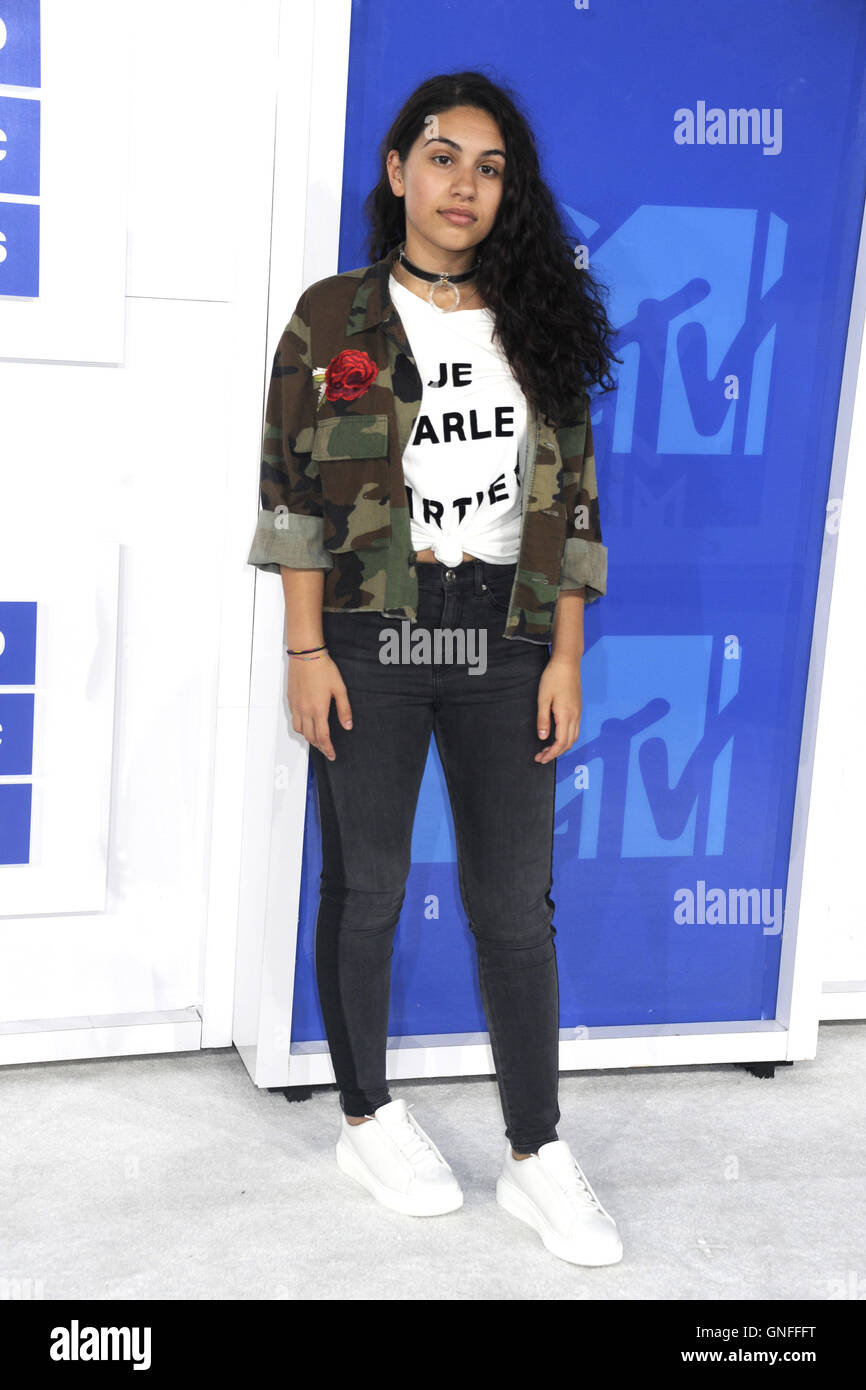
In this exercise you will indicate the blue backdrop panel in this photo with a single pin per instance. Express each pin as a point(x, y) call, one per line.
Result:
point(20, 51)
point(17, 667)
point(731, 268)
point(20, 124)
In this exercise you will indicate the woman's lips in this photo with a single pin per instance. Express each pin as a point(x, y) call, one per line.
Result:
point(460, 219)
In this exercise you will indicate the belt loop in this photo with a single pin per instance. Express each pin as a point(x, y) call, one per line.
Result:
point(477, 568)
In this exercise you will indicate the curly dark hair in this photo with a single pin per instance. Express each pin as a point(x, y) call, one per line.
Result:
point(549, 316)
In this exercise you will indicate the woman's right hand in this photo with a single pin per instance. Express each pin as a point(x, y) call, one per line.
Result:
point(312, 686)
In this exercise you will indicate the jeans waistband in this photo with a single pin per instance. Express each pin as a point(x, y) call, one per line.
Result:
point(466, 577)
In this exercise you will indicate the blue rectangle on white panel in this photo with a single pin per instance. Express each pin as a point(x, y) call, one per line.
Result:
point(16, 734)
point(20, 126)
point(19, 250)
point(20, 63)
point(729, 255)
point(16, 799)
point(17, 643)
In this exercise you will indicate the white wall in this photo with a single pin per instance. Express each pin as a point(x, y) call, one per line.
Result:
point(156, 450)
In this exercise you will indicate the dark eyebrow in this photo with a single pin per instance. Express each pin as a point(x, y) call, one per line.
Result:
point(443, 139)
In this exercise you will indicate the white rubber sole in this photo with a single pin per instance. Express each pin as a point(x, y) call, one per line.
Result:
point(518, 1204)
point(409, 1204)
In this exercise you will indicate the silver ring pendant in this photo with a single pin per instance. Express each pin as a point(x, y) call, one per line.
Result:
point(446, 283)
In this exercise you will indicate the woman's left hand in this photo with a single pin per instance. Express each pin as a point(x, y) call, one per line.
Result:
point(559, 696)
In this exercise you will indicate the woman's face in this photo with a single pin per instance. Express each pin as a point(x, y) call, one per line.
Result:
point(458, 161)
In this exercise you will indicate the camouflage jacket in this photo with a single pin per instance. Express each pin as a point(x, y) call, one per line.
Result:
point(332, 490)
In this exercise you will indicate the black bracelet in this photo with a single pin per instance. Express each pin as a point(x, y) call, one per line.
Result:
point(304, 650)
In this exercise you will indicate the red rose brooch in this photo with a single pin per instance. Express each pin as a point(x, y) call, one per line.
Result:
point(347, 376)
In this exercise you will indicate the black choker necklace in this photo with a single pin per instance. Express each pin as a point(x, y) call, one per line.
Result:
point(437, 278)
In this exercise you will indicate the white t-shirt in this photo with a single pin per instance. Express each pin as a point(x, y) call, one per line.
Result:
point(464, 463)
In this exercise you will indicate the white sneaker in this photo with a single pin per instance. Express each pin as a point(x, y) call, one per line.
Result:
point(398, 1163)
point(551, 1194)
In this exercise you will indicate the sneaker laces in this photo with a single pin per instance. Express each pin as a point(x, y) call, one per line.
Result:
point(412, 1142)
point(576, 1187)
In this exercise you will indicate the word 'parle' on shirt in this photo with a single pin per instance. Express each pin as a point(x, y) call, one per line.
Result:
point(464, 463)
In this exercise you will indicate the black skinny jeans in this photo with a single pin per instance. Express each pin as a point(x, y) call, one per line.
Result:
point(502, 802)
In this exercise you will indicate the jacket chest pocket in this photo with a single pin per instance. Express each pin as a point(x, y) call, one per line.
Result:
point(352, 455)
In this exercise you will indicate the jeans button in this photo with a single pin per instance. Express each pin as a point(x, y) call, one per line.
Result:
point(449, 574)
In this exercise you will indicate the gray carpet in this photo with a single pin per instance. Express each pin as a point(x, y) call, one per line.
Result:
point(173, 1177)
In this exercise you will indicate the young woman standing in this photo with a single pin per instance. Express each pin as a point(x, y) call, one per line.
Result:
point(476, 276)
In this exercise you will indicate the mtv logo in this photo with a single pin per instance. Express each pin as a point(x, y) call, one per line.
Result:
point(692, 300)
point(650, 774)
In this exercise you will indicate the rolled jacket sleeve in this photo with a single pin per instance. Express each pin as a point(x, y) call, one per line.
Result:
point(584, 560)
point(289, 528)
